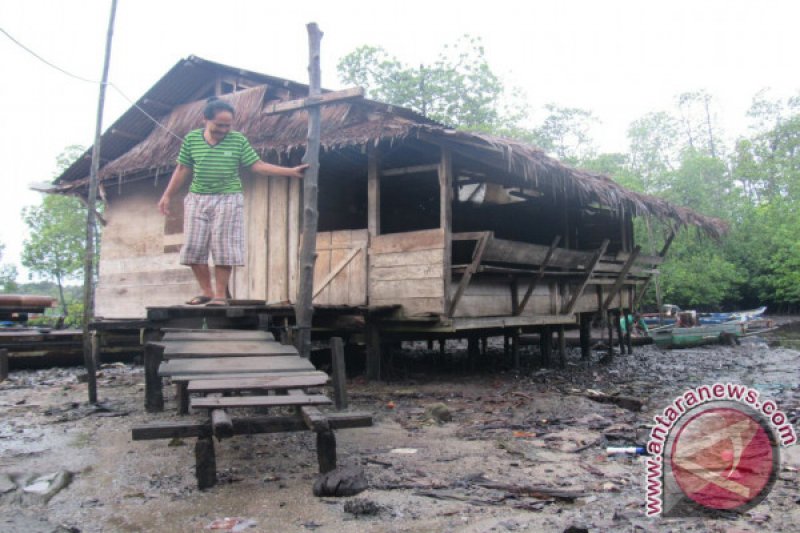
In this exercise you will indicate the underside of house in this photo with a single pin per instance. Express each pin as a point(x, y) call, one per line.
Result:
point(442, 231)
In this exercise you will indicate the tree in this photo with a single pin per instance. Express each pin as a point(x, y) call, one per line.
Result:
point(458, 88)
point(56, 245)
point(8, 274)
point(565, 132)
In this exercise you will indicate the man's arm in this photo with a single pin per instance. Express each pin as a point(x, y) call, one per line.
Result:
point(267, 169)
point(179, 177)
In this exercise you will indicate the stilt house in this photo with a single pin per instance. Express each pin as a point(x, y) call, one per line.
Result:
point(444, 231)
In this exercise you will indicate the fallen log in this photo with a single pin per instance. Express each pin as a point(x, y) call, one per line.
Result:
point(626, 402)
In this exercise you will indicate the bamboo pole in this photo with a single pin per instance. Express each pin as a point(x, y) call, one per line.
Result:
point(88, 262)
point(308, 255)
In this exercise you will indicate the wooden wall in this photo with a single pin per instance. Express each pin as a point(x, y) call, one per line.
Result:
point(408, 269)
point(341, 267)
point(272, 238)
point(135, 271)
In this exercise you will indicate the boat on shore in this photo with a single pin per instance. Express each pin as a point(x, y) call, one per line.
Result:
point(671, 314)
point(688, 337)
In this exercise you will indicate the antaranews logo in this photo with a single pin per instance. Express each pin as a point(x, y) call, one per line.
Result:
point(714, 448)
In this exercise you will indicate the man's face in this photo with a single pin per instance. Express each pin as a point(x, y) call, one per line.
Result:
point(219, 126)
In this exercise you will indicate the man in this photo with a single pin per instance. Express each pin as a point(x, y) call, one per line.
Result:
point(214, 208)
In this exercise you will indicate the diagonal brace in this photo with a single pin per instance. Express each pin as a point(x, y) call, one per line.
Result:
point(589, 272)
point(528, 293)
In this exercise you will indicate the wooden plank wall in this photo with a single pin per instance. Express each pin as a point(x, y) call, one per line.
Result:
point(408, 269)
point(135, 270)
point(491, 296)
point(349, 286)
point(271, 240)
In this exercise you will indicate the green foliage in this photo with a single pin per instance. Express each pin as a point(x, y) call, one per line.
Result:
point(458, 88)
point(8, 275)
point(565, 133)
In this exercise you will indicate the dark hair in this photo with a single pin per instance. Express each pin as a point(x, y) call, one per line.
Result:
point(214, 105)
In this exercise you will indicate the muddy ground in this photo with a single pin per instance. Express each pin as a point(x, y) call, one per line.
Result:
point(535, 427)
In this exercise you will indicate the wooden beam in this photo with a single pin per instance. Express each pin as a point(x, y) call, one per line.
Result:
point(339, 374)
point(304, 308)
point(160, 106)
point(153, 389)
point(205, 463)
point(127, 135)
point(446, 216)
point(221, 424)
point(417, 169)
point(528, 293)
point(335, 271)
point(614, 290)
point(589, 272)
point(315, 100)
point(477, 255)
point(373, 190)
point(661, 254)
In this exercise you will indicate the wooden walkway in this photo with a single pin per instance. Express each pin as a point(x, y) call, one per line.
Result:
point(218, 370)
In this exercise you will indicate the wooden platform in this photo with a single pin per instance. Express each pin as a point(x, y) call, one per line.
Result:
point(233, 363)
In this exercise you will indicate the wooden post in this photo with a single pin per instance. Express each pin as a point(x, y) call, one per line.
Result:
point(3, 364)
point(562, 347)
point(373, 191)
point(515, 348)
point(205, 463)
point(586, 335)
point(546, 345)
point(373, 346)
point(221, 424)
point(473, 350)
point(326, 451)
point(182, 396)
point(610, 325)
point(339, 374)
point(308, 254)
point(445, 216)
point(91, 200)
point(505, 344)
point(153, 392)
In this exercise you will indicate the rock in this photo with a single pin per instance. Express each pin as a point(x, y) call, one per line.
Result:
point(6, 484)
point(44, 487)
point(440, 413)
point(362, 507)
point(341, 482)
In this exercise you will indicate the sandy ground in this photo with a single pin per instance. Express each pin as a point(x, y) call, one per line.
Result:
point(529, 428)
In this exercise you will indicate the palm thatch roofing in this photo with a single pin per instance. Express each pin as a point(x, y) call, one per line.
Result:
point(136, 148)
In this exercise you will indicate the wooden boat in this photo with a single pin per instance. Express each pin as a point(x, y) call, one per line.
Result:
point(669, 315)
point(675, 337)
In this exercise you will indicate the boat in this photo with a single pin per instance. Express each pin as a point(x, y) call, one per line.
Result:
point(686, 337)
point(670, 314)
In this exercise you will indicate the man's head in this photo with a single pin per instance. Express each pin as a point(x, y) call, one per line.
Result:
point(218, 116)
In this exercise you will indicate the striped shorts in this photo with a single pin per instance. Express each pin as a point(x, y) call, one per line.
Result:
point(215, 222)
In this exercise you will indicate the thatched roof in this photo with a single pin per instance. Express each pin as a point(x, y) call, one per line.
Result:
point(351, 124)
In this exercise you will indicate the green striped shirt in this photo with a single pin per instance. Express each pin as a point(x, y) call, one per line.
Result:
point(216, 168)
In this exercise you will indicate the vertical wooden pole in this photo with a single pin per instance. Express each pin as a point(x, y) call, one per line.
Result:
point(205, 463)
point(446, 216)
point(586, 335)
point(308, 255)
point(3, 364)
point(373, 191)
point(374, 355)
point(562, 347)
point(91, 200)
point(339, 374)
point(326, 451)
point(546, 344)
point(628, 332)
point(610, 325)
point(515, 348)
point(153, 391)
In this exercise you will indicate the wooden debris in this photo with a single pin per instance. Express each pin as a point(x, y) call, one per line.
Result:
point(626, 402)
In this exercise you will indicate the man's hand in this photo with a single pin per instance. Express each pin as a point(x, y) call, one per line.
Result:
point(163, 205)
point(268, 169)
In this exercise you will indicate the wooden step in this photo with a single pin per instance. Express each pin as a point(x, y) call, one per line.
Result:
point(273, 382)
point(230, 402)
point(199, 348)
point(240, 365)
point(238, 375)
point(218, 335)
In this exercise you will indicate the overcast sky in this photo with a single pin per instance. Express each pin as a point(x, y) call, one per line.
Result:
point(620, 59)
